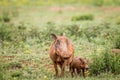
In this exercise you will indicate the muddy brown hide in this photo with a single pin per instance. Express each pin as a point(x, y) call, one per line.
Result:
point(61, 53)
point(77, 65)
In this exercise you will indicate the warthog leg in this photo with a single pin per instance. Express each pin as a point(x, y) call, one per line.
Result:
point(56, 69)
point(63, 68)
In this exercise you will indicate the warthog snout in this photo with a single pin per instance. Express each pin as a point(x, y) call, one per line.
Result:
point(86, 67)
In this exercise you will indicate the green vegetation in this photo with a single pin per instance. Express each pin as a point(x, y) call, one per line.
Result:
point(83, 17)
point(105, 62)
point(25, 30)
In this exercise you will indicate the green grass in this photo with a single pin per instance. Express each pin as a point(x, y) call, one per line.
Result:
point(25, 40)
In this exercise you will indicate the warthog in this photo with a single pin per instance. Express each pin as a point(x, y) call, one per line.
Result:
point(61, 53)
point(77, 65)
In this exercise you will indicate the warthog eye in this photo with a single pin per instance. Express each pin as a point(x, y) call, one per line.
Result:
point(58, 42)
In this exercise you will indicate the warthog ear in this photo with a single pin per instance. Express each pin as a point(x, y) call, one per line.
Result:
point(54, 36)
point(81, 60)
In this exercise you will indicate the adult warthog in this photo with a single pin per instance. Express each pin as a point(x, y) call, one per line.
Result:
point(61, 53)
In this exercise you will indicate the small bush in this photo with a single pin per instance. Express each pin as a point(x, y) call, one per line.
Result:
point(105, 62)
point(83, 17)
point(97, 65)
point(16, 74)
point(6, 16)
